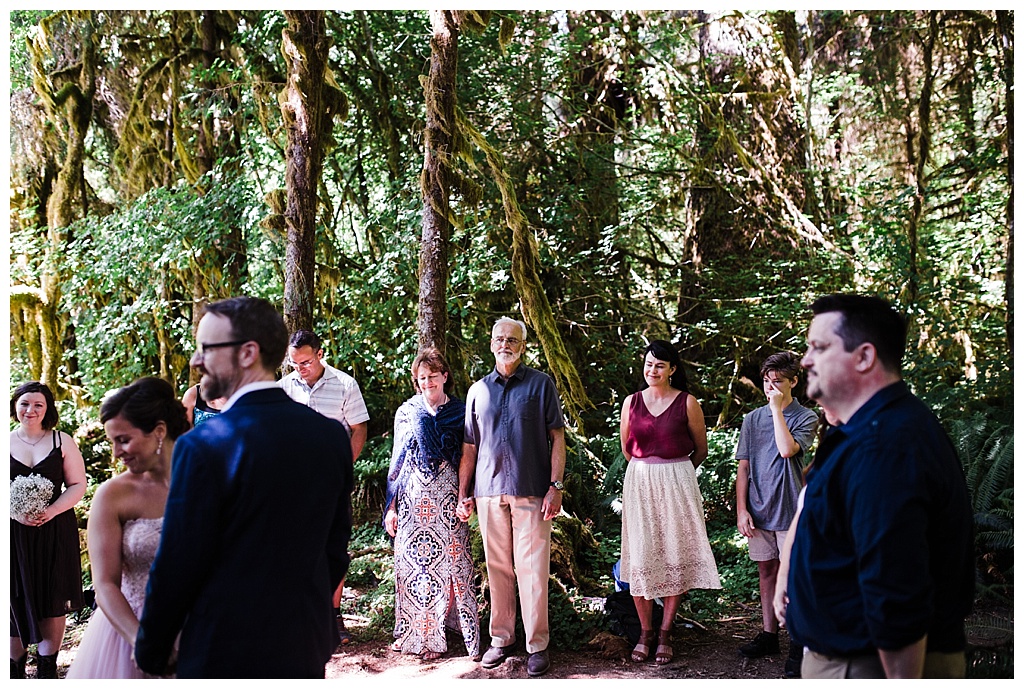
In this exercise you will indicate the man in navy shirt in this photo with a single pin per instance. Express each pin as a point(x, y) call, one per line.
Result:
point(881, 573)
point(513, 460)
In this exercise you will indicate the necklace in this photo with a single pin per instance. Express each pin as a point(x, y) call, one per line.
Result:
point(26, 440)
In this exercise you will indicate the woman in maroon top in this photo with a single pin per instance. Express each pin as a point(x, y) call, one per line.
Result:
point(665, 549)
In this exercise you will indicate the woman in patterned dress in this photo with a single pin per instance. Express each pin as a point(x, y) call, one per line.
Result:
point(433, 563)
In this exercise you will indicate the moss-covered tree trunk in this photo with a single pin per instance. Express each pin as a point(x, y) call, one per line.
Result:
point(1005, 30)
point(213, 142)
point(67, 95)
point(303, 107)
point(440, 92)
point(919, 152)
point(525, 272)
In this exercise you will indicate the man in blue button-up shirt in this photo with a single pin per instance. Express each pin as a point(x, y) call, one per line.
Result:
point(511, 471)
point(881, 573)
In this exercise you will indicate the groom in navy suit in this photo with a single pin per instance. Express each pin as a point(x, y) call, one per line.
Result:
point(257, 522)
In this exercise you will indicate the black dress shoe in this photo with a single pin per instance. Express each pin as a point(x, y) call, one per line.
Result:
point(763, 644)
point(537, 663)
point(18, 666)
point(794, 661)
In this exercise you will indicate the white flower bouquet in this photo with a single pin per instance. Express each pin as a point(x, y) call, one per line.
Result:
point(30, 495)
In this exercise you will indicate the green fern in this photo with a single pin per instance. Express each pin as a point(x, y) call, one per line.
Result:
point(985, 447)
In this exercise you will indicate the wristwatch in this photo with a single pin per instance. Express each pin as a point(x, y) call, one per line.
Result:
point(558, 485)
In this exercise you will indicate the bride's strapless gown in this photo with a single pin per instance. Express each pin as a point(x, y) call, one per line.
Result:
point(103, 654)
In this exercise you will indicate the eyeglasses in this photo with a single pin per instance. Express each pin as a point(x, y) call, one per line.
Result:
point(510, 341)
point(206, 346)
point(302, 364)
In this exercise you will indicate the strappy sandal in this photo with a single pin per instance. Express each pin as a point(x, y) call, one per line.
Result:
point(643, 647)
point(431, 655)
point(664, 653)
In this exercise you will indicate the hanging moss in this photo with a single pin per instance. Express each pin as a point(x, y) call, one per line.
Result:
point(525, 259)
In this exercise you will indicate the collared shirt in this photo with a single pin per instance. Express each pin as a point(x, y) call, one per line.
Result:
point(883, 552)
point(774, 481)
point(335, 395)
point(508, 420)
point(258, 385)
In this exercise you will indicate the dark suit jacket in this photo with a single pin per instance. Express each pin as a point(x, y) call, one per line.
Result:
point(254, 544)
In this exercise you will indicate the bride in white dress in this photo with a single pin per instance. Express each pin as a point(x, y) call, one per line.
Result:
point(142, 421)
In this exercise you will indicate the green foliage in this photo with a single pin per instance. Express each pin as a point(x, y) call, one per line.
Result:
point(717, 477)
point(22, 23)
point(130, 280)
point(371, 481)
point(984, 443)
point(737, 572)
point(372, 571)
point(573, 619)
point(586, 474)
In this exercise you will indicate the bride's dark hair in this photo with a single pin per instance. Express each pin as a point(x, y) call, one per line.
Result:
point(145, 403)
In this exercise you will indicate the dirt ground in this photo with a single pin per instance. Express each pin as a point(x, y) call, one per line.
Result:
point(709, 653)
point(699, 653)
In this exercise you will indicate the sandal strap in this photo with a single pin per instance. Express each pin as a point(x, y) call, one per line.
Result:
point(664, 652)
point(642, 651)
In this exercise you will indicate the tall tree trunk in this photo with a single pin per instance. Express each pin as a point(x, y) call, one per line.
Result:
point(435, 181)
point(1005, 23)
point(228, 256)
point(68, 97)
point(303, 107)
point(923, 141)
point(789, 40)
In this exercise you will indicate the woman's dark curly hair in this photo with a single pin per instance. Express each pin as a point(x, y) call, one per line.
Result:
point(144, 404)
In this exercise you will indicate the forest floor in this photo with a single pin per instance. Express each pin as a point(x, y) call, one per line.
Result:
point(707, 651)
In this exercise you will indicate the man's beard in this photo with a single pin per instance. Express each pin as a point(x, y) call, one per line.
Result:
point(217, 386)
point(507, 358)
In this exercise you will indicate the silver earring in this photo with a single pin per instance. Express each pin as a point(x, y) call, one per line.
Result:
point(159, 447)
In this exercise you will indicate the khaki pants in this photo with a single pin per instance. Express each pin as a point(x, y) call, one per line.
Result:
point(936, 666)
point(517, 545)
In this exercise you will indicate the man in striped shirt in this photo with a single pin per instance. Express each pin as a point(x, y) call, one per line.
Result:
point(334, 394)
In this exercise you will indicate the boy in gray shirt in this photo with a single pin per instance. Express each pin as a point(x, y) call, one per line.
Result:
point(773, 440)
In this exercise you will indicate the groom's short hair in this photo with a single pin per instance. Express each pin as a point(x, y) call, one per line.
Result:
point(256, 320)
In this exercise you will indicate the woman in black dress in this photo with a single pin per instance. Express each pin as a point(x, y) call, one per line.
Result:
point(46, 570)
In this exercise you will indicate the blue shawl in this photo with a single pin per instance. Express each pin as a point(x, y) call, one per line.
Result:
point(423, 442)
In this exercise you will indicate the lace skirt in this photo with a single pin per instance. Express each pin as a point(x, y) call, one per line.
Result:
point(665, 549)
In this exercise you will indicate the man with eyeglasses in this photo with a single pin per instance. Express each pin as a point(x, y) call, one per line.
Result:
point(336, 395)
point(511, 472)
point(249, 540)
